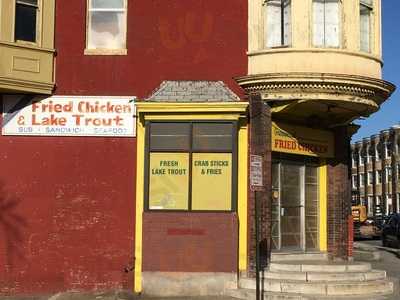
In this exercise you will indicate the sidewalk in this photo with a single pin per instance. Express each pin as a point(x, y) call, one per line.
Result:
point(111, 295)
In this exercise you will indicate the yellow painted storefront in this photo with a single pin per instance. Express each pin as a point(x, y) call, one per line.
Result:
point(286, 139)
point(181, 112)
point(298, 142)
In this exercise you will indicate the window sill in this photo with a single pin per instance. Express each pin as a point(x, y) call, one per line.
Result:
point(106, 51)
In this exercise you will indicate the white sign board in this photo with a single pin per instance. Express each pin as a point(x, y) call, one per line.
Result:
point(256, 172)
point(69, 116)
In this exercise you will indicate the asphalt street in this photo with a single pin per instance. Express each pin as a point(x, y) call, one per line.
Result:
point(390, 260)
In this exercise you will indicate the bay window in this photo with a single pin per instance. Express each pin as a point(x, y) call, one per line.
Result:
point(326, 23)
point(278, 23)
point(191, 166)
point(106, 28)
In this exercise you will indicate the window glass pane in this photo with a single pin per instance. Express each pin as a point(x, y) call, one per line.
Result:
point(274, 29)
point(331, 23)
point(212, 136)
point(212, 181)
point(25, 22)
point(318, 22)
point(365, 28)
point(107, 30)
point(287, 36)
point(169, 181)
point(107, 4)
point(367, 2)
point(29, 2)
point(169, 136)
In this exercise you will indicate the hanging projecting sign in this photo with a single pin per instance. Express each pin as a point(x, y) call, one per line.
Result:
point(69, 116)
point(301, 140)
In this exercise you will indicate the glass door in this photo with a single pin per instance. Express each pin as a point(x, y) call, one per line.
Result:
point(291, 207)
point(295, 205)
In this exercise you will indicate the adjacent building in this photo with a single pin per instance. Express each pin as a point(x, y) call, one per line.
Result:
point(130, 130)
point(375, 172)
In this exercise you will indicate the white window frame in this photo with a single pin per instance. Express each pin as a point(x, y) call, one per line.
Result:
point(370, 205)
point(378, 178)
point(378, 153)
point(38, 22)
point(388, 171)
point(361, 179)
point(324, 44)
point(370, 8)
point(354, 181)
point(101, 51)
point(268, 43)
point(370, 178)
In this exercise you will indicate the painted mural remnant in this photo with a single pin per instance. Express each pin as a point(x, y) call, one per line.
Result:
point(70, 116)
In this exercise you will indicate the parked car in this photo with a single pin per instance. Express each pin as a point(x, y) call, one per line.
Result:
point(391, 231)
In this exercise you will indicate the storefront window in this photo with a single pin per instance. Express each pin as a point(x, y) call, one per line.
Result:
point(191, 166)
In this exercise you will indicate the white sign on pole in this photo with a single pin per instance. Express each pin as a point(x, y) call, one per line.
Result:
point(69, 116)
point(256, 172)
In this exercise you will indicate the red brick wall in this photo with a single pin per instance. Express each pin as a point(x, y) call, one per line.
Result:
point(66, 213)
point(190, 242)
point(339, 196)
point(67, 205)
point(167, 40)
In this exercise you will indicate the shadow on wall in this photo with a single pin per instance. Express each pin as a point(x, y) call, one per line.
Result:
point(12, 226)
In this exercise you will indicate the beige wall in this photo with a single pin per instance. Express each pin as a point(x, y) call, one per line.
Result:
point(301, 56)
point(24, 66)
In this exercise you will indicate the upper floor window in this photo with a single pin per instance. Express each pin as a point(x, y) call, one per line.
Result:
point(361, 159)
point(370, 178)
point(278, 17)
point(26, 20)
point(106, 28)
point(378, 152)
point(366, 9)
point(326, 23)
point(354, 181)
point(378, 176)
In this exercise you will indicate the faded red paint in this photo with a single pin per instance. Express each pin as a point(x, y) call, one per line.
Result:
point(167, 40)
point(66, 213)
point(214, 250)
point(67, 205)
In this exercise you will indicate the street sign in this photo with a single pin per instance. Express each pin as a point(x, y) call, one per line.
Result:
point(256, 173)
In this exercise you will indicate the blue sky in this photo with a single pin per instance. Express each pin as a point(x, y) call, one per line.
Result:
point(389, 114)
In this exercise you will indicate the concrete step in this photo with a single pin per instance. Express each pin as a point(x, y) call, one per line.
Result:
point(319, 266)
point(351, 288)
point(322, 276)
point(247, 294)
point(281, 257)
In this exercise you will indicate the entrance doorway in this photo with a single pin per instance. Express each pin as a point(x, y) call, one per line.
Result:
point(295, 207)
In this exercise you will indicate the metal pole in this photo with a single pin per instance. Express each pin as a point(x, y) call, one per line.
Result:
point(257, 208)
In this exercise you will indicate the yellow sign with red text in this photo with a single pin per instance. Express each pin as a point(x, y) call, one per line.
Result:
point(302, 140)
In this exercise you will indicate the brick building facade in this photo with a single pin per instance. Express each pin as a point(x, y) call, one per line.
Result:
point(128, 126)
point(375, 172)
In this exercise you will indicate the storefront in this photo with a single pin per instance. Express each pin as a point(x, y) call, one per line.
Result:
point(191, 202)
point(299, 188)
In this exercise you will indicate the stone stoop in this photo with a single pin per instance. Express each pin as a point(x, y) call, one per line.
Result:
point(317, 279)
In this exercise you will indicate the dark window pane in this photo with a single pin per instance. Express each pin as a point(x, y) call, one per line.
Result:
point(212, 136)
point(25, 23)
point(169, 136)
